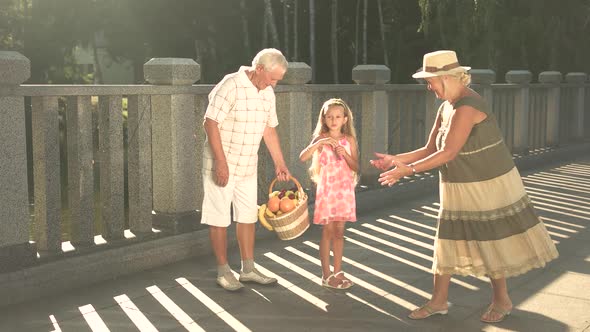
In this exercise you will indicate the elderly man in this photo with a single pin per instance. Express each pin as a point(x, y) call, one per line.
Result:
point(240, 113)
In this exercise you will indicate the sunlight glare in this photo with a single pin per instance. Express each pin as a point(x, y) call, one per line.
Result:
point(136, 316)
point(410, 263)
point(368, 286)
point(399, 236)
point(290, 286)
point(379, 274)
point(411, 222)
point(181, 316)
point(212, 305)
point(404, 228)
point(93, 319)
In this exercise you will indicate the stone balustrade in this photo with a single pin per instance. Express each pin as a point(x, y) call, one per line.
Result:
point(157, 163)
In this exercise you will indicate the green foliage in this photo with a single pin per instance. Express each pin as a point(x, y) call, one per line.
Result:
point(503, 35)
point(498, 34)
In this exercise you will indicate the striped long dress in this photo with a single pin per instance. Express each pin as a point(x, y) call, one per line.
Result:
point(486, 225)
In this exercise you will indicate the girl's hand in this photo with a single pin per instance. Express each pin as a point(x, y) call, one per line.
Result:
point(383, 161)
point(340, 151)
point(329, 141)
point(390, 177)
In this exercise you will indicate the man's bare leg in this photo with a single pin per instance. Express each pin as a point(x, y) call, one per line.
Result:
point(246, 238)
point(225, 278)
point(218, 237)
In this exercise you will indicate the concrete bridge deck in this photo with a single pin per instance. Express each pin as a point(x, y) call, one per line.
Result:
point(388, 255)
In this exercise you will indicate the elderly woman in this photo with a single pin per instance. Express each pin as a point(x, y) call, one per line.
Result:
point(486, 223)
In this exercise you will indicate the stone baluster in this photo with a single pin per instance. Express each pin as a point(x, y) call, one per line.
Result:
point(484, 78)
point(46, 174)
point(139, 169)
point(15, 249)
point(374, 136)
point(111, 166)
point(80, 170)
point(579, 79)
point(174, 150)
point(521, 109)
point(553, 102)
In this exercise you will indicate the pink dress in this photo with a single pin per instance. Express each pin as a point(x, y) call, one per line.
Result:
point(334, 200)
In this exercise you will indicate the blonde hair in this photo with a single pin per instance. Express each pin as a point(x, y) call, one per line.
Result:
point(463, 76)
point(321, 128)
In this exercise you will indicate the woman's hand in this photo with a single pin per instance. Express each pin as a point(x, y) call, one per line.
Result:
point(383, 161)
point(390, 177)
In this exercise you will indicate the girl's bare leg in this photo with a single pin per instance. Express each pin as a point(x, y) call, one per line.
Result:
point(338, 245)
point(327, 239)
point(325, 249)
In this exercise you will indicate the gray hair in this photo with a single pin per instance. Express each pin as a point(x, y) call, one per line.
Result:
point(270, 58)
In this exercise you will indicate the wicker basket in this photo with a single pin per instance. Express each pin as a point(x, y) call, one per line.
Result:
point(293, 223)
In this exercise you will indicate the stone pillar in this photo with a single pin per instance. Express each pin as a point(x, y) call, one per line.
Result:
point(295, 122)
point(374, 136)
point(174, 150)
point(484, 78)
point(553, 100)
point(15, 249)
point(579, 79)
point(521, 109)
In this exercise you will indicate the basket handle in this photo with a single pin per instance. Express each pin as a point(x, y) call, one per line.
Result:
point(299, 188)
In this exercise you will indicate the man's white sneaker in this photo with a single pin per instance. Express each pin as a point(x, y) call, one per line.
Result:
point(229, 282)
point(256, 276)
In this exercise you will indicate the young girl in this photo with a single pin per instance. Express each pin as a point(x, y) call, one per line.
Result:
point(334, 168)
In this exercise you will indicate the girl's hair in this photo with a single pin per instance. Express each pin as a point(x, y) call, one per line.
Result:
point(322, 128)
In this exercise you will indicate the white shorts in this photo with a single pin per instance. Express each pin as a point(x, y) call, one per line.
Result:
point(241, 195)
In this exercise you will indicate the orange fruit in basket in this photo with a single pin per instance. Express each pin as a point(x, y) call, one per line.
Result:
point(274, 204)
point(287, 205)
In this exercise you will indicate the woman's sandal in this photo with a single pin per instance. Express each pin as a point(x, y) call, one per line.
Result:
point(503, 314)
point(345, 280)
point(341, 285)
point(429, 310)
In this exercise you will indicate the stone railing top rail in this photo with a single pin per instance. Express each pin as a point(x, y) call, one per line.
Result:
point(204, 89)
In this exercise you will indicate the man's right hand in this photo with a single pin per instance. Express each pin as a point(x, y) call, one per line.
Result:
point(221, 173)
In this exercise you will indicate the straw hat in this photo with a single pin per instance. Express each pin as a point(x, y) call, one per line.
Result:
point(439, 63)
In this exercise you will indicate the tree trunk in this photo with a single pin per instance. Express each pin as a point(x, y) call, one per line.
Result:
point(286, 28)
point(25, 23)
point(295, 30)
point(334, 40)
point(357, 42)
point(245, 27)
point(199, 57)
point(271, 23)
point(382, 28)
point(265, 31)
point(365, 12)
point(98, 78)
point(312, 38)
